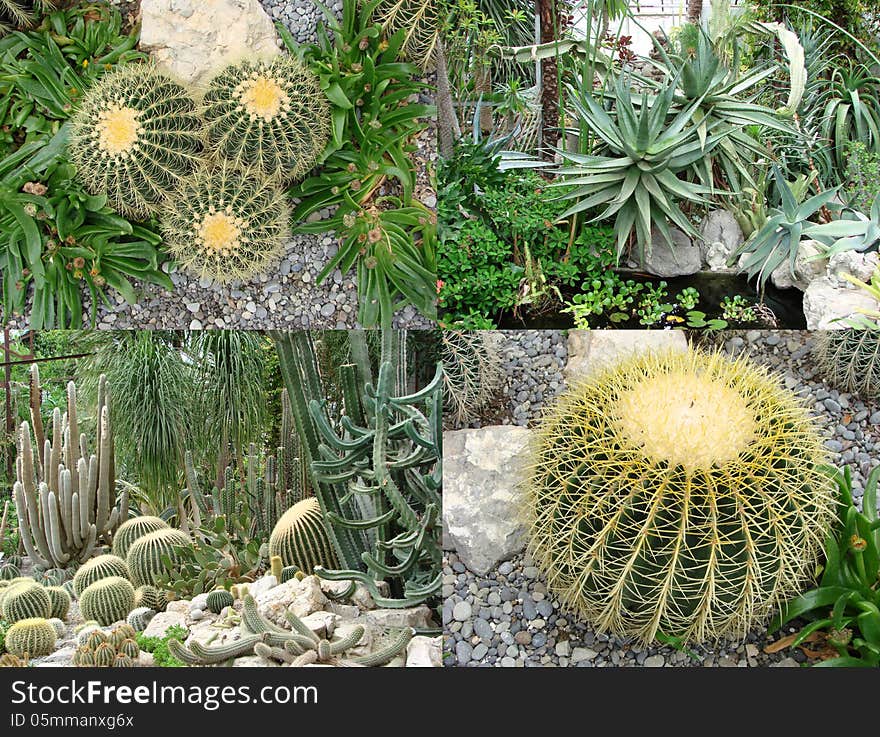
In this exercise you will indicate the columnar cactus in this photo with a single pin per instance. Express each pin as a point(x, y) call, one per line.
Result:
point(135, 528)
point(218, 600)
point(849, 360)
point(136, 133)
point(32, 637)
point(66, 498)
point(300, 537)
point(680, 493)
point(60, 601)
point(107, 600)
point(26, 601)
point(225, 223)
point(145, 555)
point(102, 566)
point(270, 116)
point(472, 373)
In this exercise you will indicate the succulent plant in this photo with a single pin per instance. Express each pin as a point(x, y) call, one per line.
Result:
point(8, 660)
point(218, 600)
point(133, 529)
point(419, 22)
point(300, 538)
point(104, 655)
point(123, 661)
point(226, 224)
point(60, 601)
point(150, 597)
point(144, 557)
point(20, 14)
point(104, 650)
point(32, 637)
point(102, 566)
point(83, 657)
point(65, 498)
point(678, 493)
point(93, 639)
point(269, 116)
point(849, 360)
point(52, 576)
point(8, 572)
point(289, 572)
point(140, 617)
point(108, 600)
point(472, 373)
point(135, 135)
point(26, 600)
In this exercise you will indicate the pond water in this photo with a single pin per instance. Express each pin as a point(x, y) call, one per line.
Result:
point(786, 304)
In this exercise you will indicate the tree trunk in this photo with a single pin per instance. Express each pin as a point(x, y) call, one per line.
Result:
point(549, 81)
point(695, 11)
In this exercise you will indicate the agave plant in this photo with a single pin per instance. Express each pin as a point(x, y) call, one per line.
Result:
point(851, 111)
point(644, 152)
point(778, 240)
point(853, 232)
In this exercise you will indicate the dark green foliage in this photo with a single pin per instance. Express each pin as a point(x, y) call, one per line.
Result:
point(158, 646)
point(862, 177)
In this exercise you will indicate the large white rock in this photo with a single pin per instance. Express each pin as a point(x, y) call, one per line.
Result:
point(685, 258)
point(483, 495)
point(825, 303)
point(722, 235)
point(860, 265)
point(301, 597)
point(424, 652)
point(807, 267)
point(163, 621)
point(593, 350)
point(193, 39)
point(417, 617)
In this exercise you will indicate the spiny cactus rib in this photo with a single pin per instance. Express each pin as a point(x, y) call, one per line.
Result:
point(849, 360)
point(144, 557)
point(472, 373)
point(150, 597)
point(300, 537)
point(219, 600)
point(60, 601)
point(134, 529)
point(135, 135)
point(108, 600)
point(266, 652)
point(226, 224)
point(33, 637)
point(419, 22)
point(26, 601)
point(140, 617)
point(679, 493)
point(103, 566)
point(104, 655)
point(198, 654)
point(268, 115)
point(386, 654)
point(340, 646)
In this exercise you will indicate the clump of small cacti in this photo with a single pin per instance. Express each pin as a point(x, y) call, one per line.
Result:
point(218, 600)
point(104, 650)
point(32, 637)
point(472, 373)
point(300, 538)
point(65, 497)
point(60, 601)
point(102, 566)
point(8, 660)
point(270, 116)
point(678, 493)
point(108, 600)
point(135, 134)
point(26, 600)
point(134, 529)
point(144, 557)
point(52, 576)
point(289, 572)
point(150, 597)
point(226, 224)
point(140, 617)
point(849, 360)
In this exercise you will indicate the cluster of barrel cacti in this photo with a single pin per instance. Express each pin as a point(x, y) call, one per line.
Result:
point(65, 495)
point(117, 648)
point(211, 166)
point(25, 598)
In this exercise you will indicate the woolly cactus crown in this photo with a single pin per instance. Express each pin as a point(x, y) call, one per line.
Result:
point(679, 493)
point(268, 115)
point(136, 133)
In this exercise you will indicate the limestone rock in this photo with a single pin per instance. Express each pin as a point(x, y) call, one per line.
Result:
point(182, 606)
point(806, 268)
point(859, 265)
point(424, 652)
point(592, 350)
point(722, 235)
point(345, 611)
point(482, 494)
point(364, 647)
point(262, 585)
point(685, 258)
point(163, 621)
point(323, 624)
point(207, 634)
point(301, 597)
point(254, 661)
point(825, 303)
point(193, 39)
point(417, 617)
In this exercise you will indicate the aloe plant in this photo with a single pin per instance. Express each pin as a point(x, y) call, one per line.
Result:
point(854, 232)
point(778, 240)
point(851, 111)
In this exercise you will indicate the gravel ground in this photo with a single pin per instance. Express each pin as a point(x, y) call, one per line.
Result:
point(507, 619)
point(300, 17)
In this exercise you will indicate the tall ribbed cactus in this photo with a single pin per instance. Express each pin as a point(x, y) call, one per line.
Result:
point(678, 493)
point(65, 497)
point(849, 360)
point(472, 372)
point(376, 470)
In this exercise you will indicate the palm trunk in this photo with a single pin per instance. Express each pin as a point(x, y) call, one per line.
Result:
point(549, 80)
point(695, 11)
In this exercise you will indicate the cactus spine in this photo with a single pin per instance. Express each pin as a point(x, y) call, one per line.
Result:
point(102, 566)
point(198, 654)
point(108, 600)
point(145, 555)
point(268, 115)
point(679, 493)
point(65, 498)
point(849, 360)
point(31, 637)
point(388, 653)
point(135, 134)
point(26, 601)
point(132, 530)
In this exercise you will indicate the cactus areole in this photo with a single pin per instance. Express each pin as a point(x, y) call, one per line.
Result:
point(678, 493)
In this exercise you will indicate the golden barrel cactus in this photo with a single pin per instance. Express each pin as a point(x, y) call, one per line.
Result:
point(679, 493)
